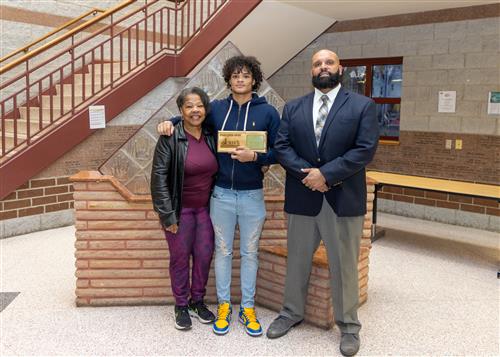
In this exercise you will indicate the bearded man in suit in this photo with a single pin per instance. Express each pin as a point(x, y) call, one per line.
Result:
point(324, 142)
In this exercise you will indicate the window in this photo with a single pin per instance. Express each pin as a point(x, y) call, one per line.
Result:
point(380, 79)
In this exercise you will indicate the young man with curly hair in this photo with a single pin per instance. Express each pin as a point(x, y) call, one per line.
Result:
point(238, 197)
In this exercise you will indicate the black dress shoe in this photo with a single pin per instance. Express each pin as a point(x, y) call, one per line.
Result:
point(280, 326)
point(349, 344)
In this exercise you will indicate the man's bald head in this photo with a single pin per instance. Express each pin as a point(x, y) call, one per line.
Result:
point(325, 70)
point(323, 53)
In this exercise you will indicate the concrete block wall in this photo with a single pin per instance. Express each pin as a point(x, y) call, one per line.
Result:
point(460, 56)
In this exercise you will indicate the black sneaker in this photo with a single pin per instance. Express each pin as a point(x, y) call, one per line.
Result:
point(182, 319)
point(201, 312)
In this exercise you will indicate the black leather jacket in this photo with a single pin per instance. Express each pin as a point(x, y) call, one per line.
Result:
point(167, 173)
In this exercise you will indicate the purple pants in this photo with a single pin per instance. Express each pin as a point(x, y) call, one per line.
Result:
point(195, 238)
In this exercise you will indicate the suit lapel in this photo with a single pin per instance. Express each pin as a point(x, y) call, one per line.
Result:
point(340, 99)
point(307, 114)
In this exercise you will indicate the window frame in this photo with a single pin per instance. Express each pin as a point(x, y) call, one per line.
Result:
point(368, 63)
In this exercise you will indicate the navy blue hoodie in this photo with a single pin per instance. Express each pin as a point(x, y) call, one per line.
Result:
point(257, 114)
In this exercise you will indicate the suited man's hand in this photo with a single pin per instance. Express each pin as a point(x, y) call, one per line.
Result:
point(314, 179)
point(323, 188)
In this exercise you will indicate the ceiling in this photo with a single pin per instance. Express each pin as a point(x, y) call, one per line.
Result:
point(341, 10)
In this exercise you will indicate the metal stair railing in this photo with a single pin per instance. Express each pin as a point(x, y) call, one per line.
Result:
point(58, 85)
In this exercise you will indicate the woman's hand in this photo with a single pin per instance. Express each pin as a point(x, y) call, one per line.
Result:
point(243, 154)
point(173, 228)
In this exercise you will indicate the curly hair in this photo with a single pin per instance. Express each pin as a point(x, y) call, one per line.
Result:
point(237, 63)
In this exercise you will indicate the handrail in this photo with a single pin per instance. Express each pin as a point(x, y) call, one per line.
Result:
point(66, 36)
point(41, 94)
point(26, 48)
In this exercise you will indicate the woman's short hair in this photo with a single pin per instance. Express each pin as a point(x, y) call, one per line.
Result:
point(193, 90)
point(237, 63)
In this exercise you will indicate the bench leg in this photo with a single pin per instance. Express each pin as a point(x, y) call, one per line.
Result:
point(376, 235)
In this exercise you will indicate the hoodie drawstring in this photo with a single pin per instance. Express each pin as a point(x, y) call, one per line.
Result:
point(229, 111)
point(246, 117)
point(227, 115)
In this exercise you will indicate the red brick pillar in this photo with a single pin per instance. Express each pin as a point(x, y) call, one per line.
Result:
point(122, 257)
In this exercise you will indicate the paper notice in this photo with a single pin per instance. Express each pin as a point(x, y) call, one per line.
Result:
point(97, 117)
point(447, 101)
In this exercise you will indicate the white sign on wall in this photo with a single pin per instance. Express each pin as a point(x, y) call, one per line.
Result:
point(97, 117)
point(447, 101)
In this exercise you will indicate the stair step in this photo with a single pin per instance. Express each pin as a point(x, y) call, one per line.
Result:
point(56, 101)
point(9, 137)
point(79, 89)
point(106, 78)
point(22, 125)
point(9, 140)
point(34, 113)
point(106, 67)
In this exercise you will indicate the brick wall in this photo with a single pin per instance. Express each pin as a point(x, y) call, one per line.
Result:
point(462, 210)
point(121, 252)
point(481, 205)
point(424, 154)
point(38, 196)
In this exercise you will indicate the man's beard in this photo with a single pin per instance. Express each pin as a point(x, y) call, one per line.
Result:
point(329, 82)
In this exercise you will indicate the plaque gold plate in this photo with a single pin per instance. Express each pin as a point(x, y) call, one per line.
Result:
point(230, 140)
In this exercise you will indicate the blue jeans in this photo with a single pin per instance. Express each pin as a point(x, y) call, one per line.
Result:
point(247, 209)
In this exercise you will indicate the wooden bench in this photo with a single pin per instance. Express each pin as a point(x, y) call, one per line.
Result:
point(427, 183)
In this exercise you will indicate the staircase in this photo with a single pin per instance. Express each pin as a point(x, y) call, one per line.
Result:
point(114, 66)
point(57, 105)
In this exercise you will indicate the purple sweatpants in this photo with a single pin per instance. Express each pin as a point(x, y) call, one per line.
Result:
point(195, 238)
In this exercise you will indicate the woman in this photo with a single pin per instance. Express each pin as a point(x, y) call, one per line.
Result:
point(182, 176)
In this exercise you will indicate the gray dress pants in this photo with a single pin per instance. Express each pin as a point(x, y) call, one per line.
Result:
point(342, 237)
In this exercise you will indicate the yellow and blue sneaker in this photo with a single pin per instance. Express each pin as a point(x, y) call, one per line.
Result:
point(223, 320)
point(248, 317)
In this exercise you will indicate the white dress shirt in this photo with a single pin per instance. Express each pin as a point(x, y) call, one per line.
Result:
point(317, 102)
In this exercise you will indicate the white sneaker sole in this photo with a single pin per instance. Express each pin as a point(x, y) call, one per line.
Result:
point(220, 333)
point(194, 314)
point(180, 327)
point(253, 334)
